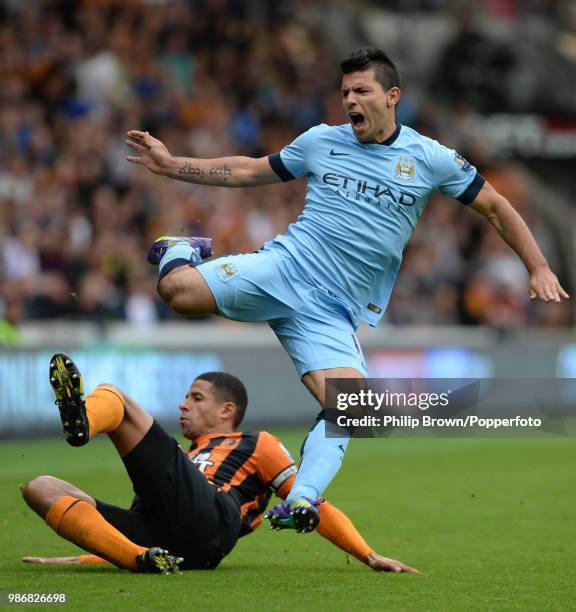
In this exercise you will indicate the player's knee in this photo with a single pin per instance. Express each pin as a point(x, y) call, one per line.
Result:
point(112, 388)
point(42, 492)
point(185, 292)
point(170, 288)
point(35, 490)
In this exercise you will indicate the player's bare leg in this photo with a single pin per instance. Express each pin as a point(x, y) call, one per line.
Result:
point(133, 427)
point(186, 292)
point(106, 410)
point(179, 285)
point(316, 381)
point(43, 492)
point(321, 459)
point(72, 513)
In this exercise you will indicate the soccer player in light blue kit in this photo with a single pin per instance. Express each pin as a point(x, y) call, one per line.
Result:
point(368, 183)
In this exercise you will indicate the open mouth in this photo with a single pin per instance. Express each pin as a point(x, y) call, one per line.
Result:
point(357, 119)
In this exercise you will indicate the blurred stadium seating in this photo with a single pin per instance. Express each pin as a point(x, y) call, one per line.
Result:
point(232, 77)
point(493, 79)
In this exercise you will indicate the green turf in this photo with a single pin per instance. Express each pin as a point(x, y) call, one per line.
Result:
point(491, 524)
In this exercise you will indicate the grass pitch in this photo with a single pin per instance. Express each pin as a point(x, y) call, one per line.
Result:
point(490, 523)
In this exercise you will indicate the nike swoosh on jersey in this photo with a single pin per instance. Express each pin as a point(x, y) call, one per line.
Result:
point(335, 154)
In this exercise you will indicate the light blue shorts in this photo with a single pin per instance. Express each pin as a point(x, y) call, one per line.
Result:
point(315, 328)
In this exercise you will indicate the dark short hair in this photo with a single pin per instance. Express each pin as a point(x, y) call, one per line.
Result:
point(364, 58)
point(229, 389)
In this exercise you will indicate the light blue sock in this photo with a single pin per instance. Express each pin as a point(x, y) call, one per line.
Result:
point(321, 460)
point(179, 254)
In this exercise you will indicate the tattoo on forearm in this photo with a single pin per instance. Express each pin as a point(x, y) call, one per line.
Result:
point(224, 172)
point(189, 170)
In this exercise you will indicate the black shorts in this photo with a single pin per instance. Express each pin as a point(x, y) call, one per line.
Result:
point(176, 507)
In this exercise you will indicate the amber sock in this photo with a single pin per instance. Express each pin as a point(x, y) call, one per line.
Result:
point(339, 529)
point(104, 409)
point(91, 560)
point(81, 523)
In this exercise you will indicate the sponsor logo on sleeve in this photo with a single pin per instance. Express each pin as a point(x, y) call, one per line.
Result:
point(464, 164)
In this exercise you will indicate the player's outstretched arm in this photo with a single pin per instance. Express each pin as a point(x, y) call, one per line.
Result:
point(336, 527)
point(237, 171)
point(73, 560)
point(509, 224)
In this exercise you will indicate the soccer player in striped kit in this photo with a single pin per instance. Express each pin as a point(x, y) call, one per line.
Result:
point(190, 506)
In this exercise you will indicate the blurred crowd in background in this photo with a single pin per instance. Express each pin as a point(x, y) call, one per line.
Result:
point(213, 78)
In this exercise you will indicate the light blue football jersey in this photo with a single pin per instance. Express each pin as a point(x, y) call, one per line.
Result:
point(362, 205)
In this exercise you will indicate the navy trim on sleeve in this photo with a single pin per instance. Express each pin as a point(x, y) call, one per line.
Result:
point(278, 166)
point(470, 193)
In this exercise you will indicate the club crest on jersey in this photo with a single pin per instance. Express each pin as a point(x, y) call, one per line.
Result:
point(464, 164)
point(405, 169)
point(226, 270)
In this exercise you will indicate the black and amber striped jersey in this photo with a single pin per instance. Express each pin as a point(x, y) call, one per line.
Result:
point(250, 466)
